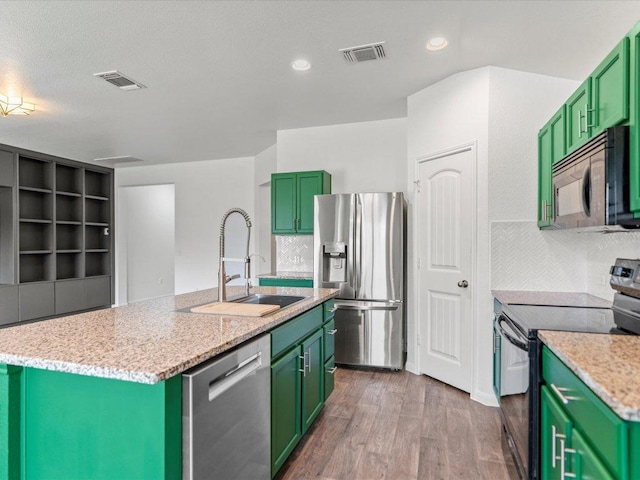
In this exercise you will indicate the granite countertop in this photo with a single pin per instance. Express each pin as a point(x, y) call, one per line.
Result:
point(560, 299)
point(144, 342)
point(288, 275)
point(608, 364)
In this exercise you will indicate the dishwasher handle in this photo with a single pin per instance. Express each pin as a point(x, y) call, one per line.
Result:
point(224, 382)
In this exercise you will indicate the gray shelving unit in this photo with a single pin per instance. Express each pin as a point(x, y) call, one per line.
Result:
point(56, 242)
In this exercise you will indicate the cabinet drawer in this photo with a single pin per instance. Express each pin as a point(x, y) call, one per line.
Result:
point(98, 292)
point(329, 309)
point(598, 422)
point(286, 282)
point(291, 332)
point(8, 305)
point(36, 300)
point(329, 338)
point(70, 296)
point(329, 377)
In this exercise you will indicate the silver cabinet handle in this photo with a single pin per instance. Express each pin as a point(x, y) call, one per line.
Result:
point(555, 435)
point(332, 371)
point(309, 360)
point(496, 342)
point(587, 125)
point(332, 332)
point(331, 310)
point(463, 284)
point(304, 364)
point(544, 211)
point(550, 211)
point(558, 391)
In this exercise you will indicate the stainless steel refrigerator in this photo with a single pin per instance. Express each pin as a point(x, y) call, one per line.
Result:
point(359, 248)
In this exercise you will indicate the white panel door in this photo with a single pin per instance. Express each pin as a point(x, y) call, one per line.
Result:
point(445, 225)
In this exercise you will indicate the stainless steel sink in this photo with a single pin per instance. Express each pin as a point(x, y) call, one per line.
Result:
point(267, 299)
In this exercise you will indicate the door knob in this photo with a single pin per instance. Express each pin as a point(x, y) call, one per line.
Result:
point(463, 284)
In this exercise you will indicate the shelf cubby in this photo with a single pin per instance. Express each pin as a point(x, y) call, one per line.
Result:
point(68, 208)
point(68, 265)
point(36, 268)
point(35, 205)
point(33, 173)
point(97, 211)
point(68, 237)
point(35, 236)
point(68, 180)
point(97, 264)
point(97, 184)
point(95, 239)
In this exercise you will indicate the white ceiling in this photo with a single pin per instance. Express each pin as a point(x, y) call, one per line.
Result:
point(218, 75)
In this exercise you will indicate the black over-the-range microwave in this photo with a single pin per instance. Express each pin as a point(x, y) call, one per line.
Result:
point(591, 185)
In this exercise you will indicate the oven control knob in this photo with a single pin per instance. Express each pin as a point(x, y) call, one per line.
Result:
point(463, 284)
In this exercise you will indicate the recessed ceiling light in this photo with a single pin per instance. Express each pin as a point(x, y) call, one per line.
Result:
point(300, 65)
point(437, 43)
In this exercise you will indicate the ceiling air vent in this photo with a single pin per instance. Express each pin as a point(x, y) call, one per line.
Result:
point(119, 80)
point(363, 53)
point(113, 161)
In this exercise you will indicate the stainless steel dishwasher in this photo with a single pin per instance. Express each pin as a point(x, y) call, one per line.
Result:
point(226, 415)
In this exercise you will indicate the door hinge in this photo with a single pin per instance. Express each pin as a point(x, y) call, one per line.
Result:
point(418, 264)
point(418, 339)
point(417, 182)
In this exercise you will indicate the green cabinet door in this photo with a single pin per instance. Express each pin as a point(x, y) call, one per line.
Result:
point(558, 136)
point(634, 124)
point(329, 377)
point(578, 113)
point(292, 200)
point(309, 185)
point(312, 379)
point(545, 194)
point(610, 85)
point(583, 462)
point(497, 363)
point(555, 431)
point(285, 407)
point(283, 203)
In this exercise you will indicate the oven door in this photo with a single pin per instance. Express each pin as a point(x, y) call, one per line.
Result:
point(514, 388)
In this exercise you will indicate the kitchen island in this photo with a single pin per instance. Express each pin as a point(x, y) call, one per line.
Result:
point(98, 395)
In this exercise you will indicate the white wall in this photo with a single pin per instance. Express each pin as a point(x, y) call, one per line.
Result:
point(265, 165)
point(361, 157)
point(204, 191)
point(149, 229)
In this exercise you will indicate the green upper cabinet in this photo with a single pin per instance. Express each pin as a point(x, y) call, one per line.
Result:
point(545, 201)
point(610, 90)
point(558, 137)
point(634, 125)
point(292, 200)
point(578, 108)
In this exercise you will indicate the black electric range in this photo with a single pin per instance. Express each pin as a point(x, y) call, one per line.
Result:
point(520, 354)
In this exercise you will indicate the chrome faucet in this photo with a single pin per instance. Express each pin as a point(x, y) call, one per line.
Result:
point(223, 278)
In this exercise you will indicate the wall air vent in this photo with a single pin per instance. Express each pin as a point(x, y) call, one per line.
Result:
point(363, 53)
point(119, 80)
point(113, 161)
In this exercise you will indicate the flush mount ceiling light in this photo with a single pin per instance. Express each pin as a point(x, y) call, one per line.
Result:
point(14, 106)
point(301, 65)
point(437, 43)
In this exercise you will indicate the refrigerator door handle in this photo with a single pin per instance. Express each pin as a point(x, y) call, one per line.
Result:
point(357, 251)
point(367, 307)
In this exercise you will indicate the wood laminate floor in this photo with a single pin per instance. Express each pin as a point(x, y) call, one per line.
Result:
point(396, 425)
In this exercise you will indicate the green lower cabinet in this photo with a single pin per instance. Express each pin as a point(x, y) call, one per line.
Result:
point(312, 379)
point(497, 364)
point(286, 427)
point(584, 461)
point(330, 331)
point(329, 377)
point(555, 427)
point(81, 427)
point(10, 424)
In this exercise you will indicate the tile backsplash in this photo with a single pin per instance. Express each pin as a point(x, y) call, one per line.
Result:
point(526, 258)
point(294, 253)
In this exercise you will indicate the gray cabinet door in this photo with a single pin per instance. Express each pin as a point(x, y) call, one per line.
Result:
point(37, 300)
point(8, 305)
point(98, 292)
point(70, 296)
point(7, 169)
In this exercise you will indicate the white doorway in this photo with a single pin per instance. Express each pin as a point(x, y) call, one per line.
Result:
point(446, 229)
point(147, 224)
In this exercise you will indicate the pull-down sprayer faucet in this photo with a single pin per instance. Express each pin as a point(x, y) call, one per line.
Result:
point(223, 278)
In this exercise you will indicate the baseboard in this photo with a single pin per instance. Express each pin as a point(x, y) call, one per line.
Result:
point(411, 367)
point(488, 399)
